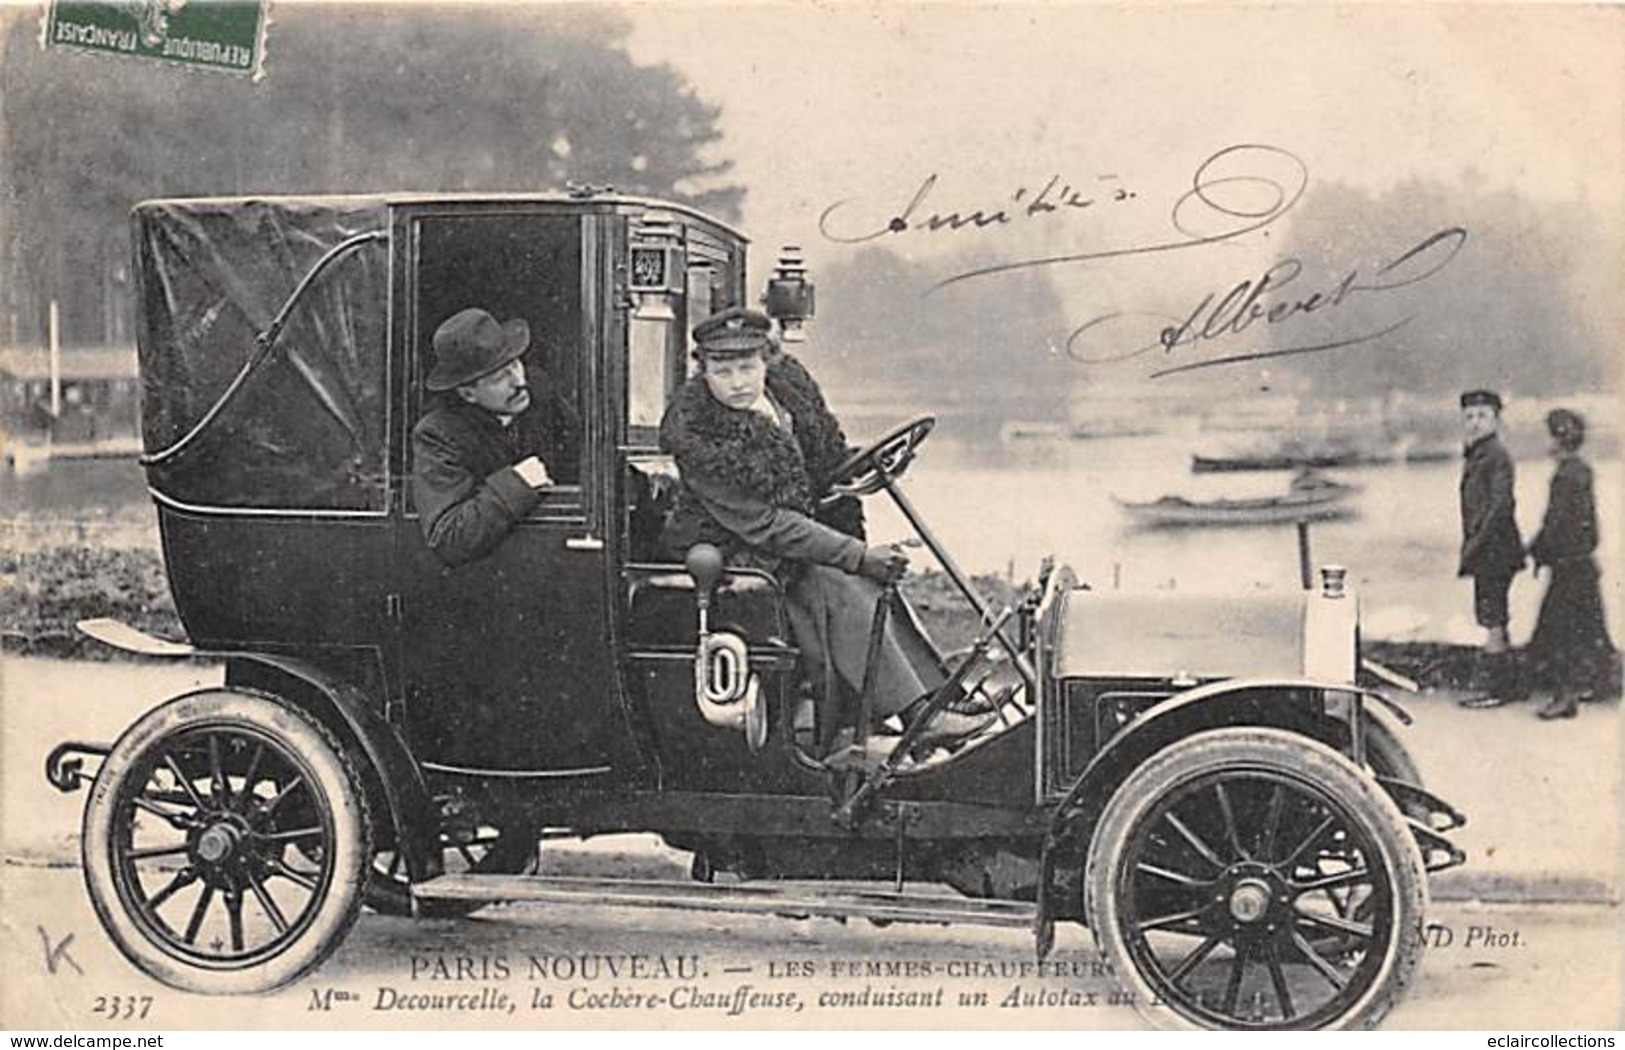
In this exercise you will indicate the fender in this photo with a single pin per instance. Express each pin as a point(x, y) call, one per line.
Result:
point(1073, 821)
point(392, 772)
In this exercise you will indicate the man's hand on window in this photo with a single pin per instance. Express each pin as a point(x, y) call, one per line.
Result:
point(883, 564)
point(533, 472)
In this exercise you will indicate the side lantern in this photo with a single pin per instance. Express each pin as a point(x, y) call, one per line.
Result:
point(789, 297)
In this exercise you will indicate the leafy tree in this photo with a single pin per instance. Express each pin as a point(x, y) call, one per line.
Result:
point(355, 99)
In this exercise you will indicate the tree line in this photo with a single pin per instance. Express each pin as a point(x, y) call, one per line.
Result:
point(355, 99)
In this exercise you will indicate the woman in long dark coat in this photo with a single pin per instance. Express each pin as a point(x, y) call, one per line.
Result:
point(1570, 647)
point(755, 446)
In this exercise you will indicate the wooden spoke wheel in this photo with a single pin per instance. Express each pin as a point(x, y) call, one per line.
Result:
point(225, 843)
point(1256, 879)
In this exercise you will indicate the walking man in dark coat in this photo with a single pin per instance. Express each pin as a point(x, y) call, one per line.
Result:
point(476, 472)
point(1491, 550)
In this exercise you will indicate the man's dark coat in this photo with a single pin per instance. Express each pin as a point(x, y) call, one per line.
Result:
point(466, 491)
point(1490, 545)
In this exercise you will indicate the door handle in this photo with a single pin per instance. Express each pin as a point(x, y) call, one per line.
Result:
point(584, 543)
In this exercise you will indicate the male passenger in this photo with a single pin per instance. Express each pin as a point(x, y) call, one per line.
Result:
point(1491, 550)
point(475, 472)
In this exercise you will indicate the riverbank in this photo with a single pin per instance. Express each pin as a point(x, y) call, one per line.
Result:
point(44, 591)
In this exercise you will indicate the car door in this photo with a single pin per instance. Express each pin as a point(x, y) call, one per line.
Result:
point(506, 663)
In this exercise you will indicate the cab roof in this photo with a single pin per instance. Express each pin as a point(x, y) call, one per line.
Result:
point(353, 203)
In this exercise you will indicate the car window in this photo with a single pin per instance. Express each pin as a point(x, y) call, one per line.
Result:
point(513, 266)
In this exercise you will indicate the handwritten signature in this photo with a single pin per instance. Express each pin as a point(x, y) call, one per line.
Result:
point(1055, 196)
point(1217, 317)
point(1236, 191)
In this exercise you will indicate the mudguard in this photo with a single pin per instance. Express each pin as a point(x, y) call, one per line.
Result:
point(337, 703)
point(1179, 716)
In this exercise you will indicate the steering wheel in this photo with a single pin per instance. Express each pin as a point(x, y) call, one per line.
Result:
point(867, 470)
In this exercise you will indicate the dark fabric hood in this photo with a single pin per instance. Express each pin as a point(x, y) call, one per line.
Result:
point(307, 430)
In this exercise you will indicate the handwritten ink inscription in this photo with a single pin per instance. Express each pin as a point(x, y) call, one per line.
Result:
point(1244, 305)
point(1055, 196)
point(1235, 192)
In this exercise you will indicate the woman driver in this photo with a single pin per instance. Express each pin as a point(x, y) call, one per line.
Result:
point(744, 432)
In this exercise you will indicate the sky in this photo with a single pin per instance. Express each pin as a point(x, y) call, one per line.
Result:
point(825, 102)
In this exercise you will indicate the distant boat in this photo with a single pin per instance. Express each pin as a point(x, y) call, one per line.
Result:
point(1022, 430)
point(1319, 460)
point(1311, 498)
point(1114, 428)
point(1429, 453)
point(25, 458)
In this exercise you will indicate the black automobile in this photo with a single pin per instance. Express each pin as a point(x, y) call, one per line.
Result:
point(1201, 781)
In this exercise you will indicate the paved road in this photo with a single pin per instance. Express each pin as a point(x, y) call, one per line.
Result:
point(1526, 967)
point(1544, 802)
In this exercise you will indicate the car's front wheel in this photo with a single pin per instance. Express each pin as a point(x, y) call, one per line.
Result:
point(1223, 865)
point(226, 843)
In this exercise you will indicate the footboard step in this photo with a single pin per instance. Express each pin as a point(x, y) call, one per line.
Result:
point(797, 899)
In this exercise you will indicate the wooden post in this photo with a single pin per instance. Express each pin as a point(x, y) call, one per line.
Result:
point(1305, 574)
point(55, 344)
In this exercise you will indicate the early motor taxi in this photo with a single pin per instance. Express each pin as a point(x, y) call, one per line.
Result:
point(1202, 781)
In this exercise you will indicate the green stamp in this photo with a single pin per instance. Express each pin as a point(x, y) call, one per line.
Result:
point(224, 35)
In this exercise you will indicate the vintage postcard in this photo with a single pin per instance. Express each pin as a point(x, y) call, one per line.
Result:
point(761, 516)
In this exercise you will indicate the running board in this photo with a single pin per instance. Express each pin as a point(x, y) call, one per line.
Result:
point(788, 899)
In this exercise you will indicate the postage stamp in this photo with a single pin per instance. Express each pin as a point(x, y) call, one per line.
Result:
point(223, 35)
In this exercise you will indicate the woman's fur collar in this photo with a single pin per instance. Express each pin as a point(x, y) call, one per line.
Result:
point(818, 432)
point(739, 450)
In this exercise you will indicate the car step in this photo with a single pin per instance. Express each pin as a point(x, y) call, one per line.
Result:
point(793, 899)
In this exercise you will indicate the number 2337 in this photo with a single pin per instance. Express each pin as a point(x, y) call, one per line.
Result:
point(122, 1007)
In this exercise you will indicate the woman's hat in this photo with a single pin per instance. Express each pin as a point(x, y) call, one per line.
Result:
point(734, 332)
point(471, 343)
point(1567, 426)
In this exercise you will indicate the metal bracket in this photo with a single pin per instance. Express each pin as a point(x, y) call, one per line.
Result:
point(1442, 816)
point(1431, 843)
point(901, 815)
point(65, 765)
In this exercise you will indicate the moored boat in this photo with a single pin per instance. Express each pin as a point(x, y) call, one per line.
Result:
point(1311, 498)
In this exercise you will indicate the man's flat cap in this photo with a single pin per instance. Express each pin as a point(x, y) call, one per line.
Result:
point(734, 332)
point(1481, 397)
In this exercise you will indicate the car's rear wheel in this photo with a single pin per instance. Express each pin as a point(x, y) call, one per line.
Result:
point(1220, 867)
point(226, 842)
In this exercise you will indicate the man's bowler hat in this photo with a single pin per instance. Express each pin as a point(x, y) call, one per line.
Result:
point(734, 332)
point(471, 343)
point(1481, 397)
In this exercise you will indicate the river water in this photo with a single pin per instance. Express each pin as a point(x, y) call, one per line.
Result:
point(996, 504)
point(1000, 507)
